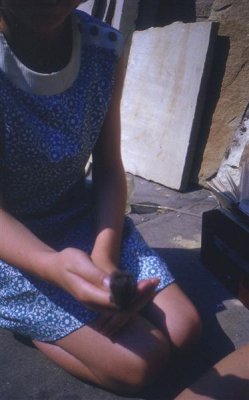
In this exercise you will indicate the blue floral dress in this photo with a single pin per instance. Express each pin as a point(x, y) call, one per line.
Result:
point(45, 142)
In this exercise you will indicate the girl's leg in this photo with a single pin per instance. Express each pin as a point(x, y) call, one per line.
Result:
point(174, 314)
point(125, 363)
point(136, 355)
point(228, 379)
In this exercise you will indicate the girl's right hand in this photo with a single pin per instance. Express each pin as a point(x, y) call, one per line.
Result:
point(111, 322)
point(73, 270)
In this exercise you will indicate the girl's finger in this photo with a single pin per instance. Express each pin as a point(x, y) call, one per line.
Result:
point(147, 284)
point(92, 296)
point(111, 322)
point(91, 273)
point(115, 323)
point(75, 261)
point(100, 323)
point(143, 298)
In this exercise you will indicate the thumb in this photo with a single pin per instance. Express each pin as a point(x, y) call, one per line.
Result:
point(147, 284)
point(89, 271)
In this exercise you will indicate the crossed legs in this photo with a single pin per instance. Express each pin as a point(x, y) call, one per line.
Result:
point(134, 356)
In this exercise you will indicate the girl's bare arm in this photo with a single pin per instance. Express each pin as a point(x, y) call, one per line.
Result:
point(110, 198)
point(70, 269)
point(109, 184)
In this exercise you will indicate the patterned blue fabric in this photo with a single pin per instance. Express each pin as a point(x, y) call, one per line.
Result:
point(45, 142)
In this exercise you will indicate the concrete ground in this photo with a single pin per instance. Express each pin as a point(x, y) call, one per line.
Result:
point(25, 374)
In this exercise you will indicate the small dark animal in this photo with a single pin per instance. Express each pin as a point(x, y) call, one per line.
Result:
point(123, 289)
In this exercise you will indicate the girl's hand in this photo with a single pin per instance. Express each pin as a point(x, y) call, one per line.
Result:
point(111, 322)
point(73, 270)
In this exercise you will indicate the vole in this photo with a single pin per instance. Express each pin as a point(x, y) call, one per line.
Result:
point(123, 289)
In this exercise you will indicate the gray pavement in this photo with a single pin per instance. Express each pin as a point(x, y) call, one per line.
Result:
point(175, 233)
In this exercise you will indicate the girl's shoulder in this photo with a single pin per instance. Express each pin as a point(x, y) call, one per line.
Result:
point(98, 33)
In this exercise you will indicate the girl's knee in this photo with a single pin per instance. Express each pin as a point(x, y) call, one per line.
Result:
point(150, 367)
point(139, 375)
point(191, 327)
point(176, 315)
point(139, 370)
point(195, 324)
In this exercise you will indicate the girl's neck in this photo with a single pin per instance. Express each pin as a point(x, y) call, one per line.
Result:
point(42, 53)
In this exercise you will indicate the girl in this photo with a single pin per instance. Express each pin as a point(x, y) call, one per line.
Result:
point(61, 77)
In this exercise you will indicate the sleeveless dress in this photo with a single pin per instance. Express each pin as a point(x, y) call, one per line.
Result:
point(45, 142)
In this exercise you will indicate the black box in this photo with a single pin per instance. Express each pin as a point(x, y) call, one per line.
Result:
point(225, 250)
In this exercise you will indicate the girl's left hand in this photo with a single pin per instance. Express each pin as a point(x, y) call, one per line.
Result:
point(111, 322)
